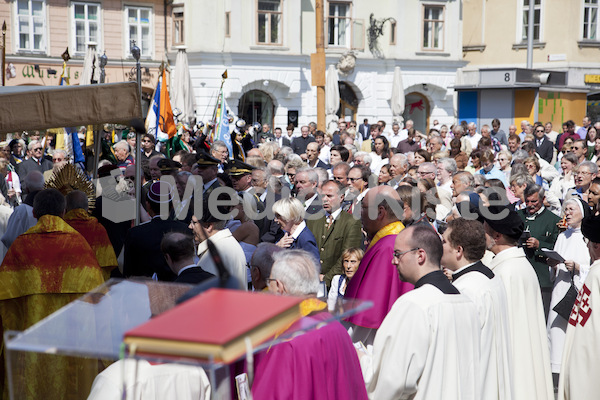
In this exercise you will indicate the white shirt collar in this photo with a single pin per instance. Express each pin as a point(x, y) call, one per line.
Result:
point(336, 213)
point(209, 183)
point(309, 201)
point(184, 268)
point(299, 230)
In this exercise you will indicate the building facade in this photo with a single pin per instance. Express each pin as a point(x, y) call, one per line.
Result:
point(566, 44)
point(39, 32)
point(265, 45)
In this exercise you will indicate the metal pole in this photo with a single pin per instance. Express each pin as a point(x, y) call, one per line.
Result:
point(97, 150)
point(135, 51)
point(4, 53)
point(530, 22)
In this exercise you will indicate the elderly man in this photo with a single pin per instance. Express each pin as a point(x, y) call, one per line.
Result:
point(261, 264)
point(123, 155)
point(178, 249)
point(473, 136)
point(299, 143)
point(435, 144)
point(45, 269)
point(398, 168)
point(36, 162)
point(305, 367)
point(543, 146)
point(142, 255)
point(395, 136)
point(445, 169)
point(362, 158)
point(542, 226)
point(529, 341)
point(465, 143)
point(334, 232)
point(427, 170)
point(464, 247)
point(580, 369)
point(376, 278)
point(428, 345)
point(305, 184)
point(59, 159)
point(584, 174)
point(219, 151)
point(79, 218)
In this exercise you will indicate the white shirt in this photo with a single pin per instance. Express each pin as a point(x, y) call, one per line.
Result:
point(474, 139)
point(231, 252)
point(309, 202)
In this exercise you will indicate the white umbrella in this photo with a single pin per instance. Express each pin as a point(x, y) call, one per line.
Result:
point(91, 67)
point(332, 92)
point(183, 91)
point(398, 100)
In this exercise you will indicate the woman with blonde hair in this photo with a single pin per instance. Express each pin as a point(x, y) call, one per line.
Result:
point(289, 214)
point(351, 258)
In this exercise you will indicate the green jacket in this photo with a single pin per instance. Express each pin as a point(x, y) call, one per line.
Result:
point(343, 234)
point(542, 227)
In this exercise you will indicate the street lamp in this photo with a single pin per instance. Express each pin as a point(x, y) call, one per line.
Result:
point(3, 53)
point(135, 52)
point(103, 62)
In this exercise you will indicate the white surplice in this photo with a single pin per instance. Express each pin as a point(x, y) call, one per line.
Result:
point(580, 369)
point(426, 348)
point(571, 246)
point(489, 296)
point(532, 378)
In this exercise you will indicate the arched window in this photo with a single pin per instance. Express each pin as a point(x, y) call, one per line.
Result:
point(256, 106)
point(348, 102)
point(417, 109)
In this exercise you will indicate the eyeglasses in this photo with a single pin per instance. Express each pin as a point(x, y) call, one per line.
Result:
point(581, 173)
point(37, 149)
point(540, 130)
point(354, 179)
point(398, 253)
point(426, 172)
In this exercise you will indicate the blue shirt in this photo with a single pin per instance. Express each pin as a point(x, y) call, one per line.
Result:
point(494, 173)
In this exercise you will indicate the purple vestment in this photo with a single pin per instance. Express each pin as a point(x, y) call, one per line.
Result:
point(320, 364)
point(377, 280)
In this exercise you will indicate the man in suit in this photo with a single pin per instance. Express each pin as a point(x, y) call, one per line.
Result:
point(335, 232)
point(312, 156)
point(178, 249)
point(543, 145)
point(281, 140)
point(364, 129)
point(543, 232)
point(305, 184)
point(36, 162)
point(143, 256)
point(299, 143)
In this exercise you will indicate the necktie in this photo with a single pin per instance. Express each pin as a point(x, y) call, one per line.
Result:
point(329, 221)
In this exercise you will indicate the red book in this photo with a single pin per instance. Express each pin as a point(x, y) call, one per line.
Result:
point(215, 323)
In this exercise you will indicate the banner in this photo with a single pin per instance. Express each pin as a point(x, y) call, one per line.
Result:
point(159, 121)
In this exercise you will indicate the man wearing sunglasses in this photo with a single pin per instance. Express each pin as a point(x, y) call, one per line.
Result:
point(543, 145)
point(36, 162)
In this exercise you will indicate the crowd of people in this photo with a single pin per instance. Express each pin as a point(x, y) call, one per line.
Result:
point(468, 241)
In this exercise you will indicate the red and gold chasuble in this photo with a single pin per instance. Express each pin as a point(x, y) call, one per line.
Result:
point(46, 268)
point(96, 236)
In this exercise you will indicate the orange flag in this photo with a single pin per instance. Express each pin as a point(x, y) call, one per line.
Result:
point(165, 118)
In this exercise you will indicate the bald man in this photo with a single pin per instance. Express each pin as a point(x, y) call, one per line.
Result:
point(377, 278)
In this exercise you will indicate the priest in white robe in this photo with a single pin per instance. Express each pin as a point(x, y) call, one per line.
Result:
point(532, 378)
point(580, 369)
point(464, 246)
point(428, 344)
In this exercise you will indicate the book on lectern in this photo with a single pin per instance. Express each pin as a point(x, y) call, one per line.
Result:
point(215, 324)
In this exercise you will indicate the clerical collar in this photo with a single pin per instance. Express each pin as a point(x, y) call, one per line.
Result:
point(473, 267)
point(439, 280)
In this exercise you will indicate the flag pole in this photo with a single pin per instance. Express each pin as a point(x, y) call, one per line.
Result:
point(219, 101)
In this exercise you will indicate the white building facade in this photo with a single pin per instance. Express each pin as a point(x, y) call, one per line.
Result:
point(265, 46)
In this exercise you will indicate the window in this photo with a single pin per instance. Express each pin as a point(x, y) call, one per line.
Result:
point(338, 24)
point(178, 38)
point(590, 19)
point(139, 29)
point(228, 24)
point(31, 17)
point(86, 20)
point(269, 21)
point(433, 27)
point(537, 12)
